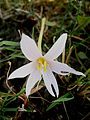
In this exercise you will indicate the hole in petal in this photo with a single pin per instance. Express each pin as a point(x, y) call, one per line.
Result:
point(63, 72)
point(54, 90)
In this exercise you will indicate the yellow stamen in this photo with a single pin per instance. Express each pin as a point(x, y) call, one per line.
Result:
point(42, 64)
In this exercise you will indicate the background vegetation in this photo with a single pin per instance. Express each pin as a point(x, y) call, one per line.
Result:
point(71, 16)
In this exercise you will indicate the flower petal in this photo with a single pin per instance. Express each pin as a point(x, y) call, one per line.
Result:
point(49, 80)
point(29, 48)
point(60, 68)
point(57, 48)
point(22, 71)
point(32, 80)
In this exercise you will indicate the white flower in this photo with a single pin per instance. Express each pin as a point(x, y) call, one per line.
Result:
point(42, 66)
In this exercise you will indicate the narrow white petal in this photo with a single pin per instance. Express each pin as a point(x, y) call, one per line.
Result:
point(60, 68)
point(49, 80)
point(32, 80)
point(29, 48)
point(57, 48)
point(22, 71)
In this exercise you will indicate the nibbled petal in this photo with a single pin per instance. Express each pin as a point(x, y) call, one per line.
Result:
point(29, 48)
point(60, 68)
point(32, 80)
point(49, 80)
point(57, 48)
point(22, 71)
point(64, 73)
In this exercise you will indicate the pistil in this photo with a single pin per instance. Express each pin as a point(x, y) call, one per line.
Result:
point(42, 64)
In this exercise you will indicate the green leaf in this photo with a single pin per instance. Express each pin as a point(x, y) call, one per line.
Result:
point(82, 55)
point(10, 109)
point(3, 94)
point(18, 55)
point(9, 48)
point(83, 21)
point(66, 97)
point(51, 24)
point(9, 43)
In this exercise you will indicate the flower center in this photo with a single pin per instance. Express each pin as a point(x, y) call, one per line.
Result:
point(42, 64)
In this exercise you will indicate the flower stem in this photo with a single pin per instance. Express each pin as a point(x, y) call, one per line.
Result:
point(7, 3)
point(68, 57)
point(41, 34)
